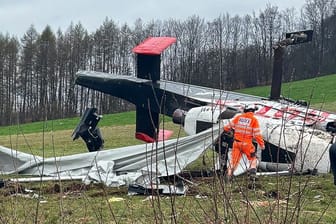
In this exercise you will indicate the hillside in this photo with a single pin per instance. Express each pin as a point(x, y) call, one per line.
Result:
point(320, 91)
point(118, 129)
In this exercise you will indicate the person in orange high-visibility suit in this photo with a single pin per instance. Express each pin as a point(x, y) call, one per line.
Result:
point(246, 128)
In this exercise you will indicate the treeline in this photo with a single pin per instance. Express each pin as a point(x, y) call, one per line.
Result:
point(230, 52)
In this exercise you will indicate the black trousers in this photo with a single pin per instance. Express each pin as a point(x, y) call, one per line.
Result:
point(332, 156)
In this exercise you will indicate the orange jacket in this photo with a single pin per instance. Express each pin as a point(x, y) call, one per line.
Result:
point(246, 127)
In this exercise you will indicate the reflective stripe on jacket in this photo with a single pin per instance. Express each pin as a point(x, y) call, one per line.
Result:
point(246, 127)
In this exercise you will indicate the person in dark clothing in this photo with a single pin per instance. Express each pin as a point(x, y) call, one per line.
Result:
point(222, 145)
point(331, 127)
point(332, 155)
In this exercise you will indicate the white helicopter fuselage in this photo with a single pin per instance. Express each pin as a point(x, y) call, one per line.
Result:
point(292, 129)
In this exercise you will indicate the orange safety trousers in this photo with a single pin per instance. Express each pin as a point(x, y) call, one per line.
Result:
point(238, 149)
point(246, 127)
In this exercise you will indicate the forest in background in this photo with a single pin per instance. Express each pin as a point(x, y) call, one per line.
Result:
point(37, 71)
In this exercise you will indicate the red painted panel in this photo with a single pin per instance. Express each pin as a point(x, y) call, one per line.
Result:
point(144, 137)
point(154, 45)
point(163, 135)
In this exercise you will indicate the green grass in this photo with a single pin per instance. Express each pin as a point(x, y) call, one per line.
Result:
point(118, 130)
point(300, 199)
point(116, 119)
point(320, 91)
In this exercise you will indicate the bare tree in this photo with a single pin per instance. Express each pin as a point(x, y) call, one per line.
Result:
point(226, 53)
point(315, 13)
point(45, 74)
point(26, 82)
point(9, 49)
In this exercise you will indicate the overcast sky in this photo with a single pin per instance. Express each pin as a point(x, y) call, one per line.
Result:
point(16, 16)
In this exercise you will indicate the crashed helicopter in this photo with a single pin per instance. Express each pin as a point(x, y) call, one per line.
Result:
point(297, 137)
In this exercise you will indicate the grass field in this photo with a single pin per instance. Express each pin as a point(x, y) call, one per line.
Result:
point(276, 199)
point(320, 92)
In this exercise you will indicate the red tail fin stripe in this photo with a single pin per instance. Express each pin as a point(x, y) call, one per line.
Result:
point(154, 45)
